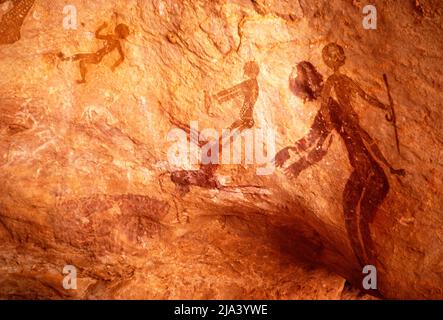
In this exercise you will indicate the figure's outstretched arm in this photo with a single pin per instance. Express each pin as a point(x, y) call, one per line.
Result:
point(321, 127)
point(319, 130)
point(313, 157)
point(367, 97)
point(99, 30)
point(228, 94)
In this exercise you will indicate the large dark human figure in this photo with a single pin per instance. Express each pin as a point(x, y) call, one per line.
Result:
point(368, 185)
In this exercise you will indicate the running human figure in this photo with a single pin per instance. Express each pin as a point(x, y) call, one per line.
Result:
point(112, 42)
point(205, 176)
point(247, 89)
point(368, 185)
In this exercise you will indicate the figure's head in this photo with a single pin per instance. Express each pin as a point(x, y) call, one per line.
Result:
point(309, 82)
point(122, 31)
point(251, 69)
point(334, 56)
point(301, 68)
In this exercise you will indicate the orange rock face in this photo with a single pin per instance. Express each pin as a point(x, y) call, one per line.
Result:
point(220, 149)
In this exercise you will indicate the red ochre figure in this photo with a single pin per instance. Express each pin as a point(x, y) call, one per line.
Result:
point(368, 185)
point(247, 89)
point(12, 21)
point(112, 42)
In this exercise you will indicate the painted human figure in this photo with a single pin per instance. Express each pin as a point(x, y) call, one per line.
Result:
point(249, 91)
point(112, 42)
point(204, 177)
point(368, 185)
point(12, 21)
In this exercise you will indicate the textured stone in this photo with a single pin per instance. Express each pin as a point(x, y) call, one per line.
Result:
point(85, 174)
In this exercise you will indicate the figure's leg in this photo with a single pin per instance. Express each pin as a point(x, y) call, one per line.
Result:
point(83, 71)
point(237, 124)
point(247, 123)
point(208, 102)
point(75, 57)
point(62, 56)
point(351, 197)
point(376, 190)
point(90, 57)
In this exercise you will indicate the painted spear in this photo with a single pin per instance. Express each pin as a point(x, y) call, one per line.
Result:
point(392, 117)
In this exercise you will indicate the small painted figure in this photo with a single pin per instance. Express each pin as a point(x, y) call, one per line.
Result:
point(112, 42)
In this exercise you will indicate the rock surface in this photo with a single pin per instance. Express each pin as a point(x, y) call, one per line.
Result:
point(85, 174)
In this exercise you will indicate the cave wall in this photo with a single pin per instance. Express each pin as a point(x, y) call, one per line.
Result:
point(85, 174)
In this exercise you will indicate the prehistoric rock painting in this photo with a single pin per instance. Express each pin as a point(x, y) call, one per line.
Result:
point(307, 83)
point(392, 117)
point(14, 119)
point(140, 216)
point(24, 132)
point(368, 184)
point(249, 91)
point(12, 20)
point(205, 176)
point(112, 42)
point(128, 203)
